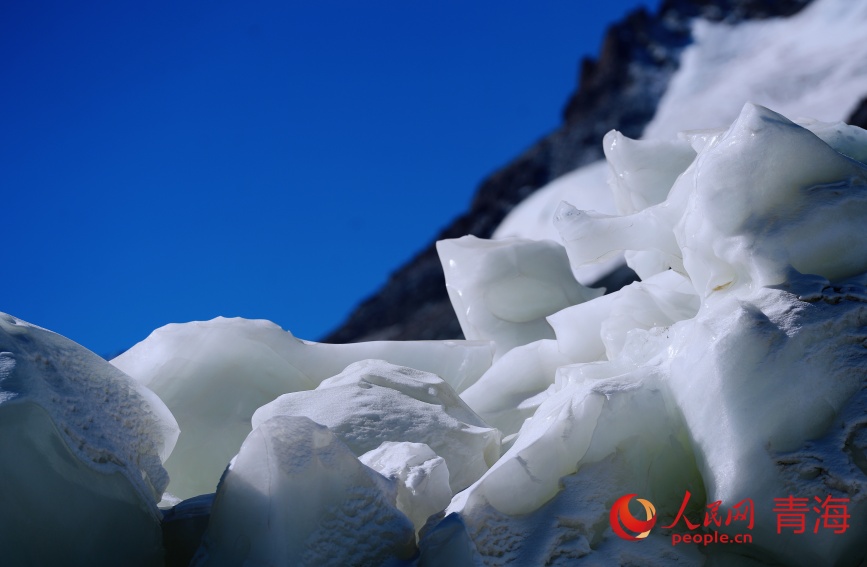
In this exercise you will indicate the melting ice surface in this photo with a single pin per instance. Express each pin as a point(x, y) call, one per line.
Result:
point(204, 373)
point(82, 445)
point(735, 370)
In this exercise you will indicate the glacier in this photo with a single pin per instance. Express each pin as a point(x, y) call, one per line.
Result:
point(735, 372)
point(733, 376)
point(810, 64)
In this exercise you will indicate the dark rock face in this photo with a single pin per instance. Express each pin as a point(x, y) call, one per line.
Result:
point(183, 528)
point(859, 116)
point(618, 90)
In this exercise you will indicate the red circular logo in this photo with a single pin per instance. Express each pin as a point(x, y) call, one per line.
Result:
point(622, 518)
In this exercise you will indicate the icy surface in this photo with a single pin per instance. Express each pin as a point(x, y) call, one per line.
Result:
point(547, 500)
point(372, 402)
point(82, 445)
point(296, 495)
point(642, 174)
point(502, 290)
point(735, 370)
point(798, 365)
point(808, 65)
point(214, 374)
point(809, 199)
point(587, 189)
point(422, 478)
point(504, 396)
point(598, 330)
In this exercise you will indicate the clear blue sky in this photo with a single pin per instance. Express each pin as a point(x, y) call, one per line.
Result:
point(174, 161)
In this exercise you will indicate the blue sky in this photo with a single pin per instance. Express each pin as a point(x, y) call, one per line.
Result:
point(166, 162)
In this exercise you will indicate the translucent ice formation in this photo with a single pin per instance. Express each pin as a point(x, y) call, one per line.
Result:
point(296, 495)
point(214, 374)
point(504, 395)
point(642, 174)
point(808, 199)
point(734, 375)
point(547, 500)
point(737, 375)
point(82, 445)
point(587, 189)
point(372, 402)
point(772, 390)
point(598, 330)
point(422, 478)
point(502, 290)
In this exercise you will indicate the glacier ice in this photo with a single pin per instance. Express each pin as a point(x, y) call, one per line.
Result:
point(643, 171)
point(808, 199)
point(502, 290)
point(587, 189)
point(504, 395)
point(733, 372)
point(214, 374)
point(373, 401)
point(531, 219)
point(422, 478)
point(755, 417)
point(82, 446)
point(296, 495)
point(547, 500)
point(810, 64)
point(597, 330)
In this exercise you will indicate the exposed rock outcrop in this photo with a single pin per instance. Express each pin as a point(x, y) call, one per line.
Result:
point(859, 115)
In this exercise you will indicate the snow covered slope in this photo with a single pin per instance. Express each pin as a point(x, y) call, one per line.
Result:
point(811, 64)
